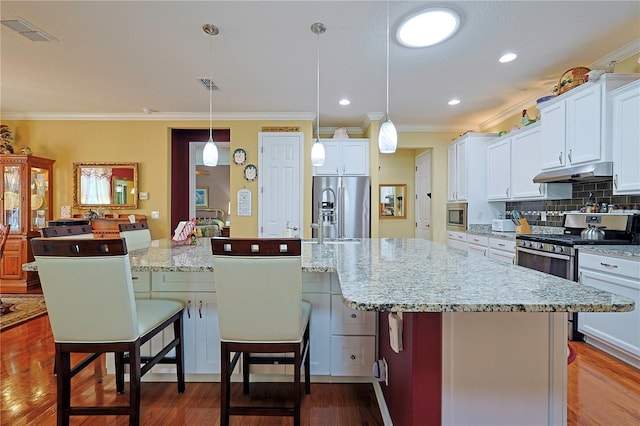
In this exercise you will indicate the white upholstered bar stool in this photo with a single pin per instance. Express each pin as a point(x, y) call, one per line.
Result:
point(137, 235)
point(260, 311)
point(88, 290)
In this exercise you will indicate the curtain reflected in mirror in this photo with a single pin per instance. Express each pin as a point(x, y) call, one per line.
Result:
point(107, 185)
point(393, 201)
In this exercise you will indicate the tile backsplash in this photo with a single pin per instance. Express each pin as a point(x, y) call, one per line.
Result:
point(602, 192)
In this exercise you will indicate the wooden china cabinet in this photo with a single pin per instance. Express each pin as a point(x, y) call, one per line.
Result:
point(26, 201)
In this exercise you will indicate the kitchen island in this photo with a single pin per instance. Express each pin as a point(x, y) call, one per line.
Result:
point(484, 342)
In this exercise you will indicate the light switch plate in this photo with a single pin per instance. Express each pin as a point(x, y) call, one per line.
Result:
point(155, 215)
point(143, 195)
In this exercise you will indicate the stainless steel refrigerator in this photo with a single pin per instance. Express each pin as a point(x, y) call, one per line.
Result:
point(344, 204)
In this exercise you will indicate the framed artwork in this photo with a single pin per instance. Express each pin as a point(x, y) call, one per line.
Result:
point(202, 197)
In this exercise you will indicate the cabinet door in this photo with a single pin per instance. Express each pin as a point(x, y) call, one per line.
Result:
point(189, 329)
point(526, 163)
point(452, 180)
point(626, 141)
point(461, 170)
point(345, 320)
point(584, 125)
point(332, 160)
point(499, 170)
point(13, 257)
point(553, 135)
point(502, 256)
point(618, 329)
point(352, 355)
point(207, 334)
point(320, 339)
point(355, 158)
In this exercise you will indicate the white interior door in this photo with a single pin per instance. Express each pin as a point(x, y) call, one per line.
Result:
point(280, 177)
point(423, 196)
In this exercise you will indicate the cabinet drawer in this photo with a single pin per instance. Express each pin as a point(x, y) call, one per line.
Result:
point(141, 281)
point(182, 281)
point(316, 282)
point(352, 355)
point(610, 265)
point(501, 244)
point(458, 236)
point(477, 240)
point(348, 321)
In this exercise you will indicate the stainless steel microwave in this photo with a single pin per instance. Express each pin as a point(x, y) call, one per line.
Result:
point(457, 216)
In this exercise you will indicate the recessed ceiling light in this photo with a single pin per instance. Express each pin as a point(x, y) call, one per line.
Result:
point(507, 57)
point(344, 102)
point(428, 27)
point(454, 101)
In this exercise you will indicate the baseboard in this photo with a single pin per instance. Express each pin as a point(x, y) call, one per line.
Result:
point(382, 404)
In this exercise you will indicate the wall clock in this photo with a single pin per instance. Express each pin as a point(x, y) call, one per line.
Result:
point(239, 156)
point(250, 172)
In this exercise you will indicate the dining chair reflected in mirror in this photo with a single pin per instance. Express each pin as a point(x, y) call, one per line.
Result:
point(88, 290)
point(258, 286)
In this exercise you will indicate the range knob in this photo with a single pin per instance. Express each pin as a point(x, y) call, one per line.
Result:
point(559, 249)
point(540, 246)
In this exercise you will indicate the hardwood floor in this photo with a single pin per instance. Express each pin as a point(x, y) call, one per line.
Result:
point(29, 392)
point(602, 391)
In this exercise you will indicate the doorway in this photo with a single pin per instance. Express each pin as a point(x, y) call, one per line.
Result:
point(423, 196)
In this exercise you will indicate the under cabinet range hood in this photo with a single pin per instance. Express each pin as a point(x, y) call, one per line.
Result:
point(583, 173)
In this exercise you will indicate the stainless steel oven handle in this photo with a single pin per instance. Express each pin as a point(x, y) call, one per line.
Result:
point(544, 253)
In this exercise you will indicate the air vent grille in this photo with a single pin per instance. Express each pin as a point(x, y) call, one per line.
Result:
point(209, 84)
point(26, 29)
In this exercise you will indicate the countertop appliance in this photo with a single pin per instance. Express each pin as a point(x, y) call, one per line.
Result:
point(343, 204)
point(556, 254)
point(503, 225)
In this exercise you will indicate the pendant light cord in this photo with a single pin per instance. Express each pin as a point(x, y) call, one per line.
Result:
point(211, 87)
point(387, 60)
point(318, 90)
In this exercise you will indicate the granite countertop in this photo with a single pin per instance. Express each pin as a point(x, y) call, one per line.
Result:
point(487, 232)
point(625, 251)
point(411, 275)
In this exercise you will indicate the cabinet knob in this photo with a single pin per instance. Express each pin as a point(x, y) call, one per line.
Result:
point(189, 309)
point(354, 316)
point(560, 157)
point(200, 309)
point(615, 181)
point(353, 357)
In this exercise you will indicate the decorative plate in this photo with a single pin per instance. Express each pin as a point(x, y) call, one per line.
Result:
point(239, 156)
point(11, 200)
point(250, 172)
point(36, 201)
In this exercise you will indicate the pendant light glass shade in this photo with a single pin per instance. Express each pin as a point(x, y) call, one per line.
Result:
point(210, 153)
point(388, 137)
point(317, 154)
point(317, 150)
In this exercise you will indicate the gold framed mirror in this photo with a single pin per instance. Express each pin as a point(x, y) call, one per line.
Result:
point(393, 201)
point(105, 185)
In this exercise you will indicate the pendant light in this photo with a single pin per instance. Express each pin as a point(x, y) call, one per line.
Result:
point(210, 154)
point(317, 150)
point(388, 136)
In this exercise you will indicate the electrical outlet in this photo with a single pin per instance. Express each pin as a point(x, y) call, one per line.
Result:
point(155, 215)
point(143, 195)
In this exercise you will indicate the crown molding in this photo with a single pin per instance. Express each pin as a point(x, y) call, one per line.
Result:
point(159, 116)
point(456, 128)
point(624, 52)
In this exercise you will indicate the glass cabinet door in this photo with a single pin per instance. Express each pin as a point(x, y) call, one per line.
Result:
point(12, 197)
point(39, 186)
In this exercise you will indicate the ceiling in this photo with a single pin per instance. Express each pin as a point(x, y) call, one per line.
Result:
point(114, 58)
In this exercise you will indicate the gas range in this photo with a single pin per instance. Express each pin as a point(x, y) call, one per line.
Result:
point(618, 229)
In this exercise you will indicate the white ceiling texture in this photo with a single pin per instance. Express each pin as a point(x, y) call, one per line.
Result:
point(112, 59)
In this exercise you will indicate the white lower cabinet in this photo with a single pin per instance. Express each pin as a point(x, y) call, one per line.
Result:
point(617, 333)
point(502, 250)
point(457, 240)
point(343, 340)
point(353, 339)
point(477, 244)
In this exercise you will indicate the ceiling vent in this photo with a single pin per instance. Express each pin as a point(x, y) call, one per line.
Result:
point(26, 29)
point(209, 84)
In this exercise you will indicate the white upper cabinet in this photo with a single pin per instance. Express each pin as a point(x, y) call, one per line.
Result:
point(577, 125)
point(348, 157)
point(626, 139)
point(467, 167)
point(512, 163)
